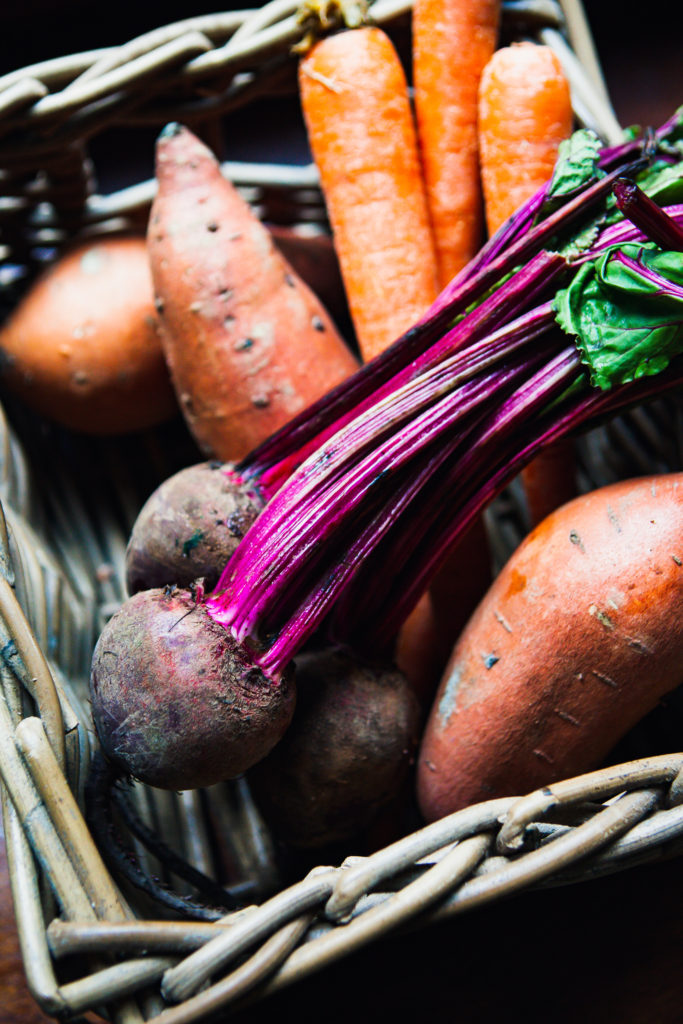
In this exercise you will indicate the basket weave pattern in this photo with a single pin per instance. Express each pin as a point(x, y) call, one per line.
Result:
point(61, 557)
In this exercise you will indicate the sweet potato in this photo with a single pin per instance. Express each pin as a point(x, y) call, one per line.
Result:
point(82, 347)
point(310, 251)
point(189, 526)
point(176, 701)
point(247, 342)
point(579, 637)
point(344, 757)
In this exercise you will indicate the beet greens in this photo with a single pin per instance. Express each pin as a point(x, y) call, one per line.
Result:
point(571, 312)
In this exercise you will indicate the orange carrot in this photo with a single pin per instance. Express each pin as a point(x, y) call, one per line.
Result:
point(452, 42)
point(425, 640)
point(550, 480)
point(362, 135)
point(525, 112)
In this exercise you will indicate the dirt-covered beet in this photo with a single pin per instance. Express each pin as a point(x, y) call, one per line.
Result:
point(346, 754)
point(176, 701)
point(189, 527)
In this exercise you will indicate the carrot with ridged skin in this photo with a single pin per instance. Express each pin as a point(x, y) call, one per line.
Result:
point(525, 112)
point(362, 135)
point(550, 480)
point(425, 640)
point(248, 344)
point(452, 42)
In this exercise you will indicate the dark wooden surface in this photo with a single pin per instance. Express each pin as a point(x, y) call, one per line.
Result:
point(595, 953)
point(16, 1003)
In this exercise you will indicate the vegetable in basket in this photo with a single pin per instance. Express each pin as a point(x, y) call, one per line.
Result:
point(578, 638)
point(368, 489)
point(177, 702)
point(189, 527)
point(247, 342)
point(525, 112)
point(452, 44)
point(82, 347)
point(405, 207)
point(346, 754)
point(360, 128)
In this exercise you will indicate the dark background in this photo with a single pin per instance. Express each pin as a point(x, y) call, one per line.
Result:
point(639, 45)
point(640, 57)
point(596, 953)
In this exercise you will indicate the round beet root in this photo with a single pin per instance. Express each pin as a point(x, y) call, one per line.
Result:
point(176, 701)
point(346, 754)
point(189, 527)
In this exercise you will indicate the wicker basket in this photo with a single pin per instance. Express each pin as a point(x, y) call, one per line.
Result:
point(69, 504)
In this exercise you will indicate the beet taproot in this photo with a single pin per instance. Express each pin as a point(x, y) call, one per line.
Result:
point(578, 638)
point(189, 526)
point(346, 754)
point(177, 703)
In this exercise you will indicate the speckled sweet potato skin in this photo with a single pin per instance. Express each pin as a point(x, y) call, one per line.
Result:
point(189, 527)
point(82, 348)
point(346, 754)
point(247, 342)
point(176, 702)
point(579, 637)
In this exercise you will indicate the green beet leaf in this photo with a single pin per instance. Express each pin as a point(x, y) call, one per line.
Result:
point(576, 166)
point(663, 182)
point(625, 311)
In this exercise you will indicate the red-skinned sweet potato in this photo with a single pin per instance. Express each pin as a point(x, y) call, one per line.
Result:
point(578, 638)
point(247, 342)
point(82, 347)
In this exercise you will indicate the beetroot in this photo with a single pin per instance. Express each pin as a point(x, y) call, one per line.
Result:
point(176, 701)
point(346, 754)
point(189, 527)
